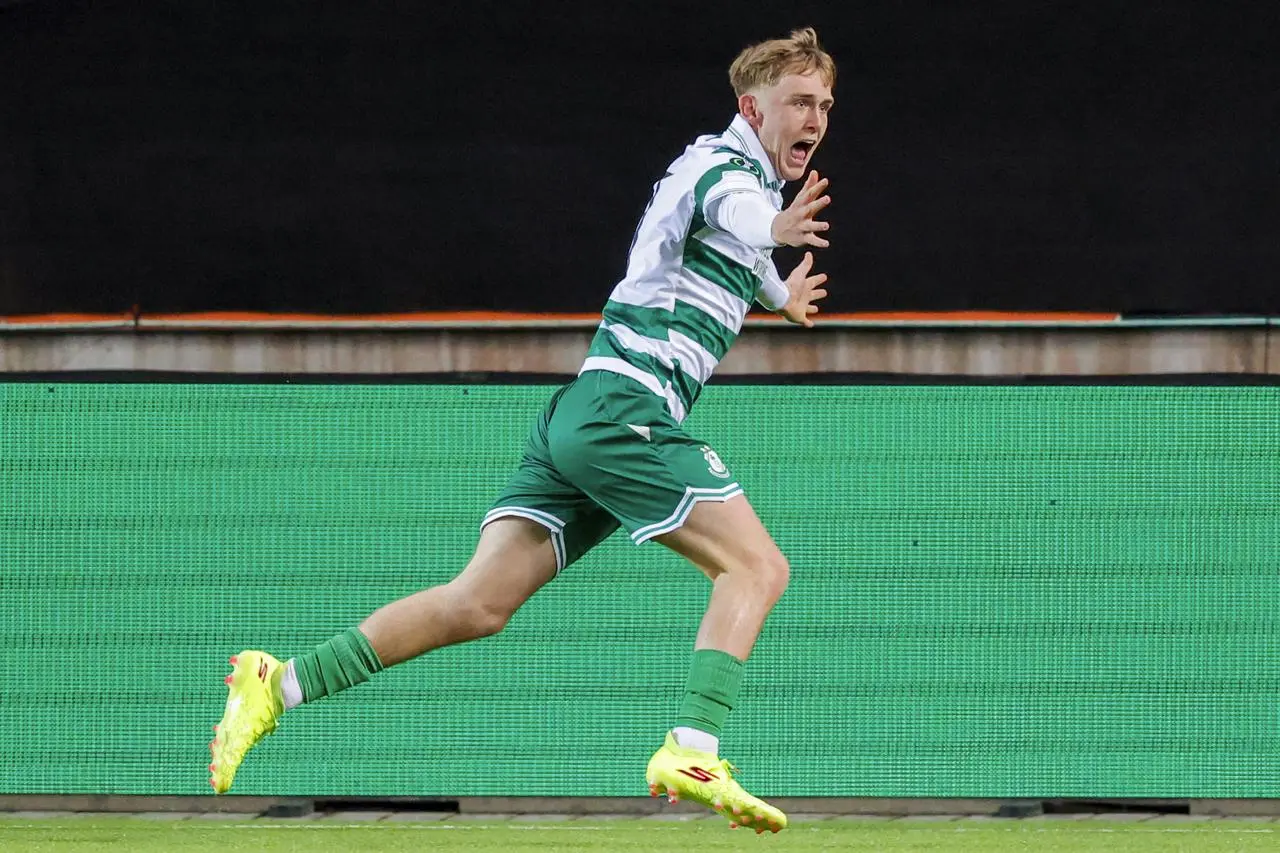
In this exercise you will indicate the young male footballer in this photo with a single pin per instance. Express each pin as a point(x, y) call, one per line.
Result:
point(609, 451)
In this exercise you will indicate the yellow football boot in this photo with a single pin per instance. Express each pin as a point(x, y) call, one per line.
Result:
point(254, 704)
point(688, 774)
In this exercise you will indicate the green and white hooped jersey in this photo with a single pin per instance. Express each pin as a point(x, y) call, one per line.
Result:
point(688, 285)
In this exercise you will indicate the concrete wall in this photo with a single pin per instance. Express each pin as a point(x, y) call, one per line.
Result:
point(977, 351)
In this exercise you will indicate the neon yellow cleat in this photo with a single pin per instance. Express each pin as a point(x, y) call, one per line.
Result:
point(254, 704)
point(688, 774)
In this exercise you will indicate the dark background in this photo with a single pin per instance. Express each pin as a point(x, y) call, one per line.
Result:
point(185, 156)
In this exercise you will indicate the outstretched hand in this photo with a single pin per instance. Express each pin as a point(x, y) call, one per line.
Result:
point(796, 226)
point(805, 291)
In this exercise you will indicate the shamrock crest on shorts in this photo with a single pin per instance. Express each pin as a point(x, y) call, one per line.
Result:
point(714, 463)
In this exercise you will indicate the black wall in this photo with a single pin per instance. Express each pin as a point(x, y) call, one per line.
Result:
point(417, 156)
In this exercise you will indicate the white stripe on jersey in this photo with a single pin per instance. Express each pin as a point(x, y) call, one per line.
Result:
point(726, 245)
point(716, 302)
point(634, 293)
point(695, 361)
point(632, 340)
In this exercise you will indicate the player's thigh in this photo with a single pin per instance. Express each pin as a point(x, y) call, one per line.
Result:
point(728, 536)
point(572, 522)
point(513, 559)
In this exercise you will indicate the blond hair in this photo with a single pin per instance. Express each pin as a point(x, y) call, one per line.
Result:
point(768, 62)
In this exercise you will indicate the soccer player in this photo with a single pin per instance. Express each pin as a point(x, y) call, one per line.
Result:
point(609, 449)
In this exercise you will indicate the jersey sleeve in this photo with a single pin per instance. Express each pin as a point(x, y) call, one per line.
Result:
point(773, 293)
point(730, 198)
point(746, 215)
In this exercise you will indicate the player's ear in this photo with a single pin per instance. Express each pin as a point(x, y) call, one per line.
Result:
point(749, 107)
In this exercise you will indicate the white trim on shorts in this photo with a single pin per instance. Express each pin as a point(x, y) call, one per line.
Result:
point(554, 525)
point(692, 496)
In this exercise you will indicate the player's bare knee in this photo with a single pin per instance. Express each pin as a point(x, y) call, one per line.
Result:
point(478, 618)
point(489, 620)
point(778, 575)
point(475, 615)
point(770, 571)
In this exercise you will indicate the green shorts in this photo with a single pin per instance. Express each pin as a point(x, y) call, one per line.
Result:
point(606, 452)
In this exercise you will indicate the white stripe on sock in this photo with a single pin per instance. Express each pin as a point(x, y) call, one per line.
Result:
point(290, 687)
point(696, 739)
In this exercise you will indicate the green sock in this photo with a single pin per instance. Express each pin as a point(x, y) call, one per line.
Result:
point(334, 665)
point(714, 679)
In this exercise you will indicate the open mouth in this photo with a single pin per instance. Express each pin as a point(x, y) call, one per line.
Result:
point(799, 152)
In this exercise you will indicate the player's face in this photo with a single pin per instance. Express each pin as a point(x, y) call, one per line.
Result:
point(790, 118)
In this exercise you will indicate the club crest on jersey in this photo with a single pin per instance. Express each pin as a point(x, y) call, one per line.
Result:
point(714, 464)
point(749, 165)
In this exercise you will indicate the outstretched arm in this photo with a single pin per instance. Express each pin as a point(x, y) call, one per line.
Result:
point(748, 215)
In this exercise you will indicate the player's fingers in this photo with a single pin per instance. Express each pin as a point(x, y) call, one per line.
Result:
point(816, 280)
point(811, 209)
point(809, 193)
point(815, 240)
point(817, 294)
point(814, 225)
point(812, 309)
point(806, 263)
point(815, 187)
point(812, 189)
